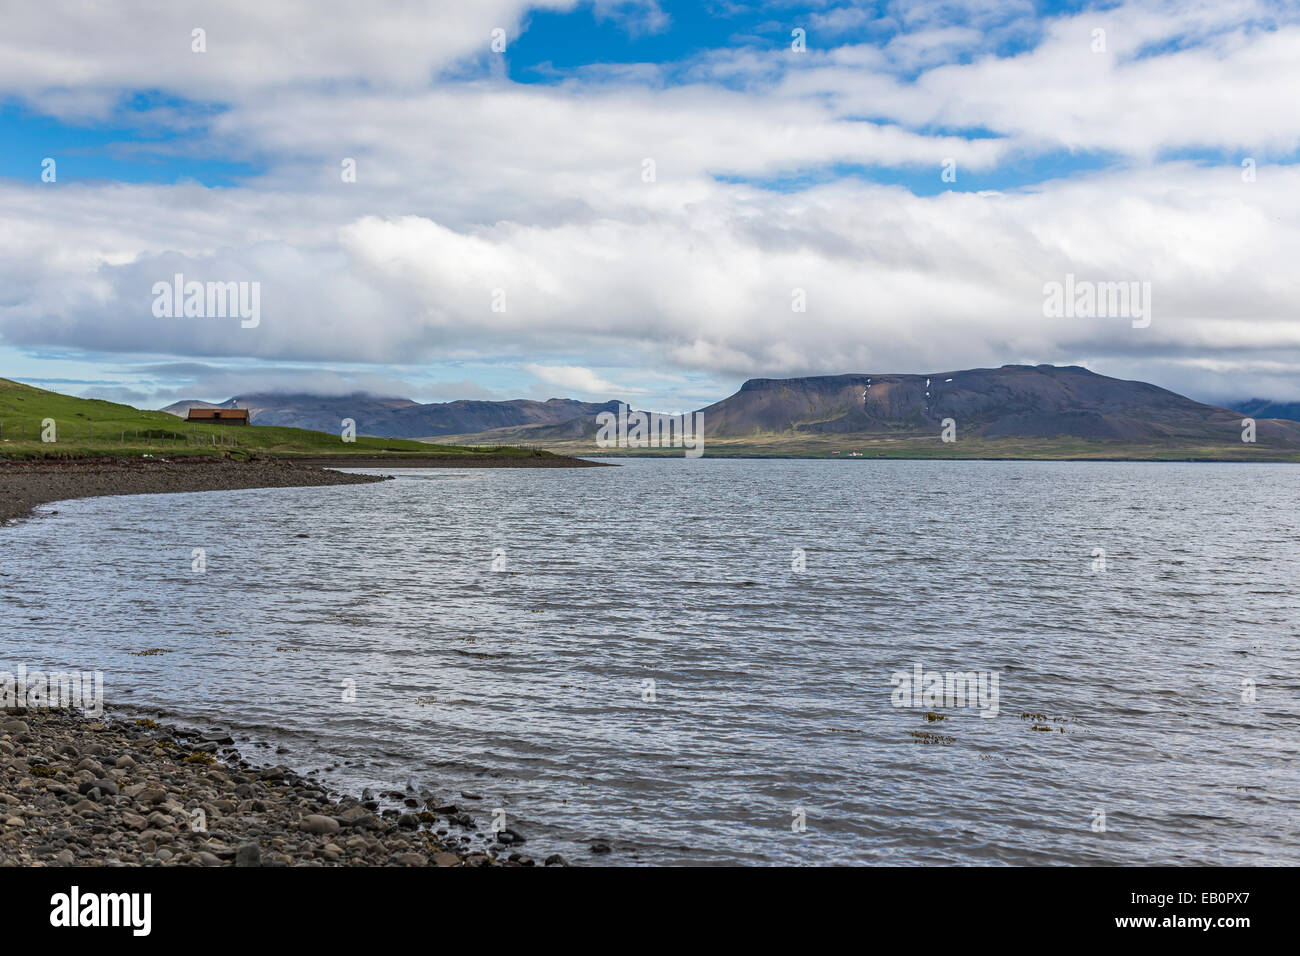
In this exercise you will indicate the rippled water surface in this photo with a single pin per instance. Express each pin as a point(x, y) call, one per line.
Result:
point(771, 687)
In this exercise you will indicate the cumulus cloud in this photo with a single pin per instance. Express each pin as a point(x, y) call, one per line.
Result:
point(87, 54)
point(623, 220)
point(575, 378)
point(890, 279)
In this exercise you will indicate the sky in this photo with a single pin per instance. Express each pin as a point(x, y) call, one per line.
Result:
point(644, 200)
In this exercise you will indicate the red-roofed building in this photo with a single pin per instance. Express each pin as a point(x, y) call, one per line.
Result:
point(220, 416)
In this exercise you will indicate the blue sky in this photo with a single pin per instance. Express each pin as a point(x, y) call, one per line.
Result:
point(523, 172)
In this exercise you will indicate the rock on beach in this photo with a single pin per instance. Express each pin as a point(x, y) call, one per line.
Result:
point(122, 791)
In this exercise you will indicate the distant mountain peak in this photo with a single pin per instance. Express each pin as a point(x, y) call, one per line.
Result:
point(1266, 408)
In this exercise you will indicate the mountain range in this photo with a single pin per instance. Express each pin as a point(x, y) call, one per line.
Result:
point(400, 417)
point(1014, 401)
point(1263, 408)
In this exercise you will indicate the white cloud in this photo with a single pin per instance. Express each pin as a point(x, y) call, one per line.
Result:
point(893, 280)
point(575, 378)
point(84, 53)
point(473, 185)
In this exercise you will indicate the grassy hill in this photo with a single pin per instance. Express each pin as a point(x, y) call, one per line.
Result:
point(89, 427)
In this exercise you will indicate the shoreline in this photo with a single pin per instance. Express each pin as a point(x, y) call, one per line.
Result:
point(79, 790)
point(25, 485)
point(124, 790)
point(446, 461)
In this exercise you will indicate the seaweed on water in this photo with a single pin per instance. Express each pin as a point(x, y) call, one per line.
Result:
point(925, 737)
point(1041, 719)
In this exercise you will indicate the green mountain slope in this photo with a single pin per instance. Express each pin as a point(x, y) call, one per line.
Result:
point(84, 427)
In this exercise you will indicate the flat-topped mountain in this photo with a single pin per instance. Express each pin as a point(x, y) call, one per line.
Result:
point(1014, 401)
point(1039, 401)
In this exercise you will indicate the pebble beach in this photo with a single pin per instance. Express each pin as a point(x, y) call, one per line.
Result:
point(77, 790)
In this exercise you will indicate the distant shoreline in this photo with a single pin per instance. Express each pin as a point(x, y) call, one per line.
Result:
point(1190, 460)
point(875, 448)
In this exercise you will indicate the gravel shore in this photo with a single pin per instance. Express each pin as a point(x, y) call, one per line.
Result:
point(451, 461)
point(26, 484)
point(77, 790)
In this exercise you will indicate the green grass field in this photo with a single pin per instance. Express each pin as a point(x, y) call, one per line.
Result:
point(88, 427)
